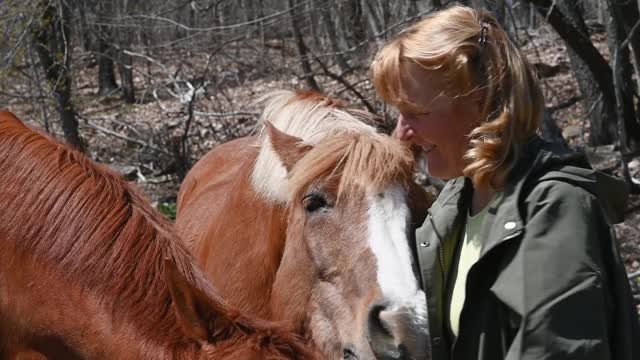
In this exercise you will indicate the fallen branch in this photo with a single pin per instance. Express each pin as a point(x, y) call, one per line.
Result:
point(565, 104)
point(122, 136)
point(226, 114)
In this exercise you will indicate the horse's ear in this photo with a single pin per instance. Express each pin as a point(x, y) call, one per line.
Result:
point(290, 149)
point(202, 318)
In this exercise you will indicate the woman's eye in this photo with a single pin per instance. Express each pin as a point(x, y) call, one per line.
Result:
point(314, 202)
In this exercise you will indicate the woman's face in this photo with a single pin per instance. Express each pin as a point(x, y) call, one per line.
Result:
point(434, 121)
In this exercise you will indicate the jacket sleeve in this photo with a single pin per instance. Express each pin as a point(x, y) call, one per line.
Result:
point(555, 287)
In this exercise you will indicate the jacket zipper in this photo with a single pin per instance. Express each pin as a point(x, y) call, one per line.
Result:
point(441, 256)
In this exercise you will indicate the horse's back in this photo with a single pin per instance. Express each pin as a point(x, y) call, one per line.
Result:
point(235, 235)
point(7, 117)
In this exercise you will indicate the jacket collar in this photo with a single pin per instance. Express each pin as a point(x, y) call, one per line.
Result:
point(446, 209)
point(504, 220)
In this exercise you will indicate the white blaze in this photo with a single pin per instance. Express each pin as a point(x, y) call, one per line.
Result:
point(388, 221)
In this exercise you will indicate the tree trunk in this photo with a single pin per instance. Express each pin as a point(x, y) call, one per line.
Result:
point(302, 49)
point(315, 28)
point(356, 23)
point(497, 8)
point(603, 117)
point(412, 8)
point(86, 33)
point(435, 4)
point(371, 16)
point(125, 67)
point(106, 52)
point(623, 71)
point(125, 62)
point(589, 67)
point(340, 15)
point(550, 131)
point(50, 34)
point(332, 35)
point(532, 16)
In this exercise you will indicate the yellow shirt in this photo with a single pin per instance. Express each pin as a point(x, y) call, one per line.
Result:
point(468, 254)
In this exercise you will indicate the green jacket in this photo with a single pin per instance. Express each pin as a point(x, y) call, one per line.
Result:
point(549, 283)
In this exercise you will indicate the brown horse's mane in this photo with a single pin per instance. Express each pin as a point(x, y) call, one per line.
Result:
point(353, 160)
point(87, 224)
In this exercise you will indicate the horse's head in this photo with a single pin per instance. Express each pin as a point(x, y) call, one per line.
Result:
point(347, 275)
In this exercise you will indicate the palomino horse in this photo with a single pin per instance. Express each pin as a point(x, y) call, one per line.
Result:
point(88, 270)
point(312, 221)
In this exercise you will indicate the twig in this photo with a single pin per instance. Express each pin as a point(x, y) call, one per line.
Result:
point(121, 136)
point(25, 32)
point(222, 27)
point(634, 275)
point(346, 84)
point(564, 105)
point(586, 116)
point(226, 114)
point(553, 5)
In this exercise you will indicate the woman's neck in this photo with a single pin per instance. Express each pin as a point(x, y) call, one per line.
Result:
point(480, 199)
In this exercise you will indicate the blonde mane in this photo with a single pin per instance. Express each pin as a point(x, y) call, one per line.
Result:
point(354, 162)
point(306, 115)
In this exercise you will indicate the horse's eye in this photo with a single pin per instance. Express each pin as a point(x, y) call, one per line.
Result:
point(314, 202)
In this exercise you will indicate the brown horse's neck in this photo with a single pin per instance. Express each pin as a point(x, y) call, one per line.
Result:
point(82, 227)
point(67, 222)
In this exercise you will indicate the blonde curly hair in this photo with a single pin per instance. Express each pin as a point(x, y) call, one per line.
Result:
point(478, 59)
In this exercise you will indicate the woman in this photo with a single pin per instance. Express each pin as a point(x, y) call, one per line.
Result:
point(517, 255)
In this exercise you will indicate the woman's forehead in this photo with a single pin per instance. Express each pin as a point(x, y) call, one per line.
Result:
point(420, 88)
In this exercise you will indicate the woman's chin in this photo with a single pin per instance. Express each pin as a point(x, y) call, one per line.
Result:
point(439, 172)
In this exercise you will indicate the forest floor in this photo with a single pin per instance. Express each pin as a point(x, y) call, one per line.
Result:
point(136, 139)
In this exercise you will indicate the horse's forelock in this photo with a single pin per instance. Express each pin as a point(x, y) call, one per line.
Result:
point(355, 161)
point(308, 116)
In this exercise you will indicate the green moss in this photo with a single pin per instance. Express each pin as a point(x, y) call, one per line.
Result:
point(168, 209)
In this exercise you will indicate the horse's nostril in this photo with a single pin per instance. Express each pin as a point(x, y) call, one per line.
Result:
point(377, 325)
point(386, 334)
point(381, 335)
point(349, 354)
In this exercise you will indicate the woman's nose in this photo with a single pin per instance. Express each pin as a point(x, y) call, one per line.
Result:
point(403, 130)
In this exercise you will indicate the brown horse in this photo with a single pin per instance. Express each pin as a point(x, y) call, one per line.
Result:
point(315, 221)
point(88, 270)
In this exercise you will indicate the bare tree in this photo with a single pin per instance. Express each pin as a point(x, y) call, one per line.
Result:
point(302, 48)
point(50, 34)
point(618, 33)
point(125, 61)
point(105, 51)
point(603, 125)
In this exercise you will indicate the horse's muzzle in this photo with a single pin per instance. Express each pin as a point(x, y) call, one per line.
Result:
point(397, 334)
